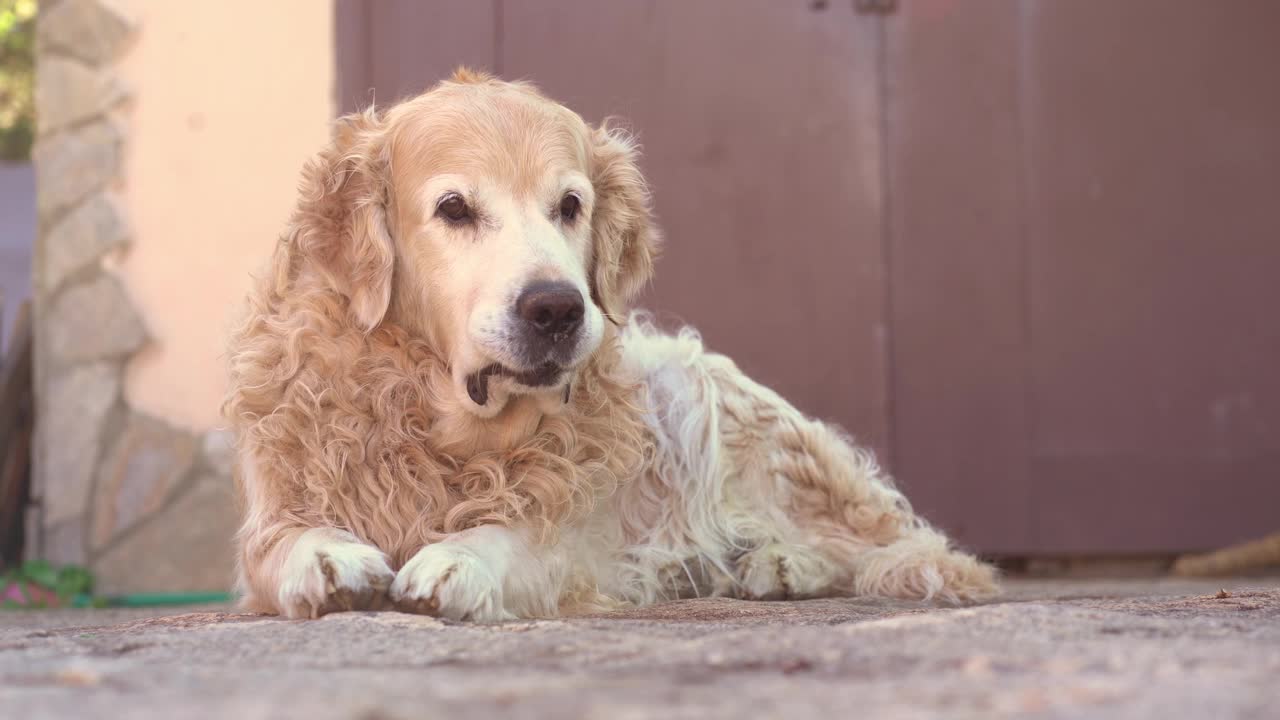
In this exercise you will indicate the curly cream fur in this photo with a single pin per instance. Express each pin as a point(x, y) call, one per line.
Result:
point(343, 423)
point(665, 472)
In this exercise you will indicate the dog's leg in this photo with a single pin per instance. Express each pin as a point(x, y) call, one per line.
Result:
point(826, 520)
point(486, 574)
point(297, 571)
point(312, 572)
point(839, 496)
point(784, 571)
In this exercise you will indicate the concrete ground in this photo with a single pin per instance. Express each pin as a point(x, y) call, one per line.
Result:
point(1115, 649)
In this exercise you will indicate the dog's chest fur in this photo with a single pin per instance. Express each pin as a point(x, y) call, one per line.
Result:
point(373, 441)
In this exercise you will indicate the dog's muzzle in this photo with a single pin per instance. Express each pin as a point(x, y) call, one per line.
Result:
point(550, 315)
point(478, 382)
point(547, 319)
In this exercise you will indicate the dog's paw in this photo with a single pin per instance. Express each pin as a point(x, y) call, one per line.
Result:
point(779, 571)
point(451, 581)
point(329, 570)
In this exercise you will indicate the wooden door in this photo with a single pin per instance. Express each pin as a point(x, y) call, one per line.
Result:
point(1028, 249)
point(1085, 254)
point(763, 150)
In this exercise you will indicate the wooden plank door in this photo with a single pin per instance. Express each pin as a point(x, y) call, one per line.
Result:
point(760, 122)
point(1086, 270)
point(1045, 230)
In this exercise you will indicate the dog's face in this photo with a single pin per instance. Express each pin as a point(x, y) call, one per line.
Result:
point(494, 199)
point(494, 223)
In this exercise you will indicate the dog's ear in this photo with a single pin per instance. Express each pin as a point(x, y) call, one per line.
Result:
point(625, 238)
point(341, 222)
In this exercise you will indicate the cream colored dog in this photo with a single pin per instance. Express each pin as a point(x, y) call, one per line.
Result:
point(442, 402)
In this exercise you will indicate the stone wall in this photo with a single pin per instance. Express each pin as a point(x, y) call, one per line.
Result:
point(146, 505)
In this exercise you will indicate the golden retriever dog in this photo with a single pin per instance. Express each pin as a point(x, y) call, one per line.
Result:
point(444, 405)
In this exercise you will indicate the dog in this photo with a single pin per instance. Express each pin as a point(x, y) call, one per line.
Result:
point(444, 403)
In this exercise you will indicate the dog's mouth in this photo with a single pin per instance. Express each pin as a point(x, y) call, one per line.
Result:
point(549, 373)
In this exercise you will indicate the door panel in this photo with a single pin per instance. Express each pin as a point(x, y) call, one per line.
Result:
point(760, 126)
point(956, 259)
point(391, 49)
point(1085, 246)
point(1153, 271)
point(1071, 254)
point(762, 147)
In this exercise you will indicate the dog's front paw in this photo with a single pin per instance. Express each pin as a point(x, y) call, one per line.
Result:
point(329, 570)
point(449, 580)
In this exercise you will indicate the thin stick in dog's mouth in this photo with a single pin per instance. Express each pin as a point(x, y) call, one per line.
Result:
point(478, 382)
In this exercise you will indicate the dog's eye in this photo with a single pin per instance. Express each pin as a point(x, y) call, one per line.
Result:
point(453, 208)
point(569, 207)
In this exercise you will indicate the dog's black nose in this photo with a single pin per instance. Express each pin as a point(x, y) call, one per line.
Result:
point(551, 309)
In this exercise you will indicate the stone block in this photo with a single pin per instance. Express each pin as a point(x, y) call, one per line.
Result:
point(219, 451)
point(64, 542)
point(138, 474)
point(69, 92)
point(72, 165)
point(80, 238)
point(32, 532)
point(92, 321)
point(188, 546)
point(95, 31)
point(72, 415)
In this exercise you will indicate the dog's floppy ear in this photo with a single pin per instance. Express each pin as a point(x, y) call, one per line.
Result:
point(625, 239)
point(342, 217)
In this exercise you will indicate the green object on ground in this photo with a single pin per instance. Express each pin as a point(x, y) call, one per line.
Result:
point(37, 584)
point(156, 599)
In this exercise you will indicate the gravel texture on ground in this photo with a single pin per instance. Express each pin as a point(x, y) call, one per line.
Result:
point(1092, 649)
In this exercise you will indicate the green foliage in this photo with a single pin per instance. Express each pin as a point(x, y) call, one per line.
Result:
point(17, 76)
point(38, 584)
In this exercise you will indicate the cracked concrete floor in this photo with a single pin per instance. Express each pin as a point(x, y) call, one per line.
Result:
point(1093, 649)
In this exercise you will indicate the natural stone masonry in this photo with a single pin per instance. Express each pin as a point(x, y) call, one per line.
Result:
point(185, 548)
point(70, 92)
point(71, 165)
point(75, 410)
point(219, 451)
point(63, 543)
point(81, 237)
point(139, 475)
point(93, 31)
point(91, 321)
point(147, 506)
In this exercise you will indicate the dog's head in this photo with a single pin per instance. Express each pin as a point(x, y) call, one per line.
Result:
point(489, 220)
